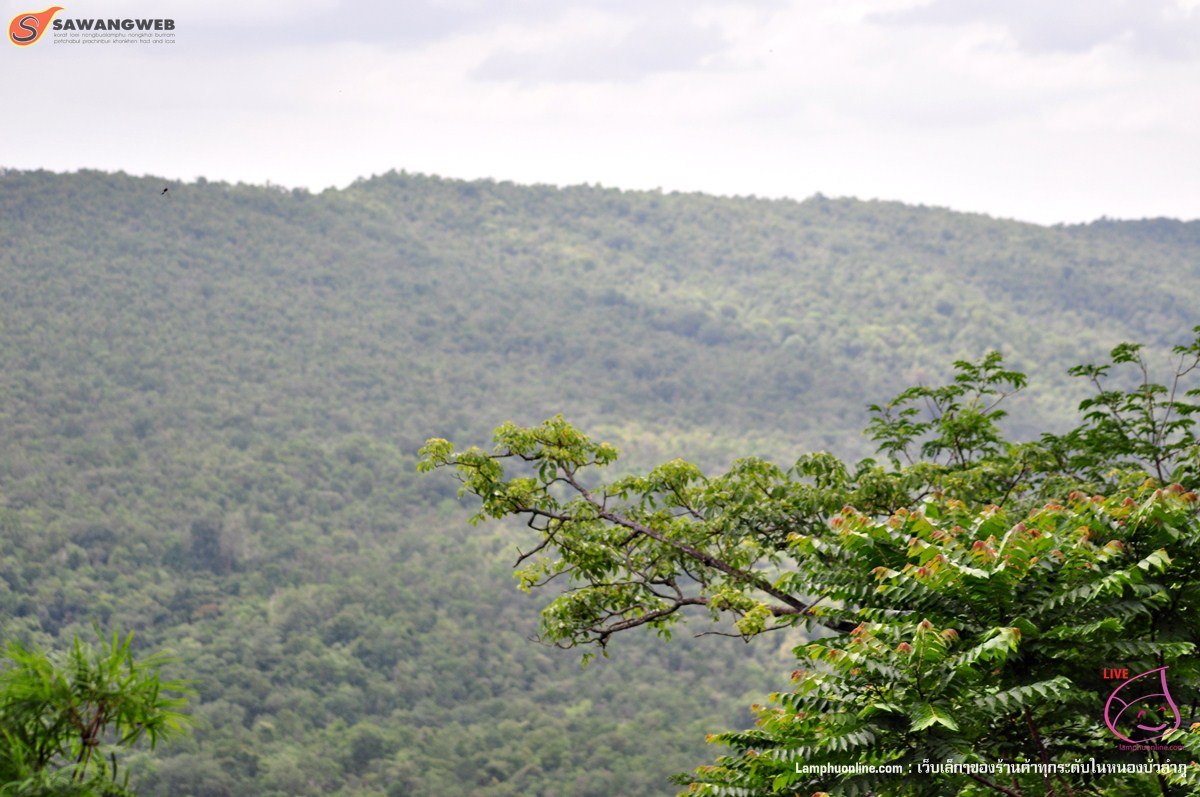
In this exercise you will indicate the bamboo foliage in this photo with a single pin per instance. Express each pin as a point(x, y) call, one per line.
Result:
point(65, 717)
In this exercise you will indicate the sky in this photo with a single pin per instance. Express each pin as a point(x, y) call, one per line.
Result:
point(1050, 111)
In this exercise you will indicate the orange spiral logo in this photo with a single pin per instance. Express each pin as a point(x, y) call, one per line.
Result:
point(27, 28)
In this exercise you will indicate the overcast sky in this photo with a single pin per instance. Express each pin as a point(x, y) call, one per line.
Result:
point(1043, 110)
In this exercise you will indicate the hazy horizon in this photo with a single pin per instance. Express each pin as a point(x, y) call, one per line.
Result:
point(1052, 115)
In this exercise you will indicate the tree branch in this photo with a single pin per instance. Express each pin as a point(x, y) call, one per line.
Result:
point(683, 547)
point(996, 786)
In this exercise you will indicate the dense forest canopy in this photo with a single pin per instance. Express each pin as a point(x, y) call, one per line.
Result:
point(211, 403)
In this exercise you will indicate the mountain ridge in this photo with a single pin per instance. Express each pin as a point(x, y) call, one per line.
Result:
point(210, 404)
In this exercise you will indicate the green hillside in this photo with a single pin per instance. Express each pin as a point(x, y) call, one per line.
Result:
point(210, 404)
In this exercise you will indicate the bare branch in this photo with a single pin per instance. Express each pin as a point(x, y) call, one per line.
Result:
point(523, 556)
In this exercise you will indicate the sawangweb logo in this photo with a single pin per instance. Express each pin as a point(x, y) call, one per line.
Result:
point(27, 28)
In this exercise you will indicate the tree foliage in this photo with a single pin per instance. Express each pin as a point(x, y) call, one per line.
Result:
point(65, 717)
point(961, 599)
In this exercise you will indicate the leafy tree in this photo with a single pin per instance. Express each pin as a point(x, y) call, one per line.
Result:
point(64, 718)
point(961, 600)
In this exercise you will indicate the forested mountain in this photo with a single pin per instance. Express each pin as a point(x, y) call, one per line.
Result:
point(211, 400)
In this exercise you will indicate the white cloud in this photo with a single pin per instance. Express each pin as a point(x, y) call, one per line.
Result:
point(603, 48)
point(1155, 27)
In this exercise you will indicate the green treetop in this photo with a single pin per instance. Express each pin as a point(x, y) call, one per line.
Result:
point(64, 718)
point(961, 598)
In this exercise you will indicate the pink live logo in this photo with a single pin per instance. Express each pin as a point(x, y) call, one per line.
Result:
point(1140, 709)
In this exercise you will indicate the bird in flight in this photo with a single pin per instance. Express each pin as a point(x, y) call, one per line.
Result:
point(165, 190)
